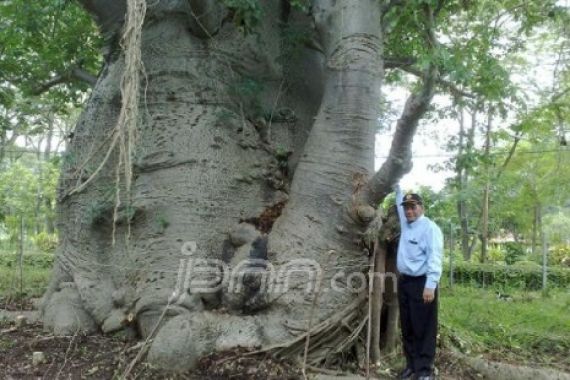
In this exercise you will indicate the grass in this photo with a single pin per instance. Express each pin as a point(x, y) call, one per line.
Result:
point(34, 281)
point(528, 326)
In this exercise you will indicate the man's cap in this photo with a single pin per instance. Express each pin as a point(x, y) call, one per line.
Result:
point(411, 198)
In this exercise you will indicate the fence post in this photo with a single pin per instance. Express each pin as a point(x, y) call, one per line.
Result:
point(451, 246)
point(544, 258)
point(21, 260)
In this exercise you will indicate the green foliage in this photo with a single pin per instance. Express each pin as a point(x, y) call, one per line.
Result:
point(161, 223)
point(496, 254)
point(40, 42)
point(294, 39)
point(248, 87)
point(27, 191)
point(302, 5)
point(248, 92)
point(559, 255)
point(513, 251)
point(21, 184)
point(46, 242)
point(42, 39)
point(246, 13)
point(97, 210)
point(525, 276)
point(39, 261)
point(35, 276)
point(557, 227)
point(225, 116)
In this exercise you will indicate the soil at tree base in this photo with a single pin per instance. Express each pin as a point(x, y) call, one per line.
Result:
point(104, 357)
point(107, 357)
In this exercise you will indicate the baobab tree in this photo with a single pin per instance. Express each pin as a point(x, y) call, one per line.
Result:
point(233, 134)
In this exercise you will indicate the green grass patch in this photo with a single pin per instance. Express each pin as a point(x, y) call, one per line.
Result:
point(36, 272)
point(521, 275)
point(523, 325)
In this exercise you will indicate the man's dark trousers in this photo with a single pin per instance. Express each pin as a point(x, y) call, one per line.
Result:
point(419, 324)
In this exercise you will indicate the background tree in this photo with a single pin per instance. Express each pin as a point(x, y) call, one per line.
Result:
point(49, 52)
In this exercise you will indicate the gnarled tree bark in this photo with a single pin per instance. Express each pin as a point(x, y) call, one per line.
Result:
point(249, 168)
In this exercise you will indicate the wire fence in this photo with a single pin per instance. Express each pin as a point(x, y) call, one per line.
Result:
point(510, 262)
point(25, 269)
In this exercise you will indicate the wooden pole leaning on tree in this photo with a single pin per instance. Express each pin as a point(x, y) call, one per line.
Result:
point(391, 298)
point(377, 298)
point(383, 294)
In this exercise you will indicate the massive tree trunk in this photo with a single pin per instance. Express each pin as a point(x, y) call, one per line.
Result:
point(250, 179)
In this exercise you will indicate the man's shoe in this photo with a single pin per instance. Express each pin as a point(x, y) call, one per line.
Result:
point(425, 377)
point(407, 374)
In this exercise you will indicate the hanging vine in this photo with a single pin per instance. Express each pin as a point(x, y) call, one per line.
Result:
point(123, 136)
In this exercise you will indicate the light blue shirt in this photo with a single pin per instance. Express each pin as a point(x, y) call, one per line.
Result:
point(420, 250)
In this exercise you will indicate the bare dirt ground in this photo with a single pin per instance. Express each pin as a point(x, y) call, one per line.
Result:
point(109, 357)
point(104, 357)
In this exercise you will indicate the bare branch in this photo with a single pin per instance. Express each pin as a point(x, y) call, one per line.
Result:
point(398, 62)
point(452, 88)
point(84, 75)
point(58, 79)
point(559, 95)
point(406, 64)
point(399, 161)
point(108, 14)
point(75, 73)
point(517, 138)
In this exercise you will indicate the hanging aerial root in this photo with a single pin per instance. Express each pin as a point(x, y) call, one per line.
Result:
point(123, 135)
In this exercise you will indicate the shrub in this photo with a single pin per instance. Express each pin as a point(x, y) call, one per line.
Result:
point(522, 276)
point(513, 252)
point(45, 242)
point(496, 254)
point(559, 255)
point(11, 260)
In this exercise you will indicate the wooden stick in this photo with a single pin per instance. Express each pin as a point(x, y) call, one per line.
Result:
point(377, 297)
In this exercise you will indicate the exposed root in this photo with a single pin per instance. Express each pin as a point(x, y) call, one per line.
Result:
point(332, 336)
point(146, 344)
point(308, 339)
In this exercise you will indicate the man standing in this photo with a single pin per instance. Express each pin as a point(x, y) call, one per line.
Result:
point(420, 252)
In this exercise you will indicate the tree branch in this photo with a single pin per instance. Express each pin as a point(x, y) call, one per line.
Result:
point(108, 14)
point(399, 161)
point(517, 138)
point(75, 73)
point(407, 64)
point(83, 75)
point(398, 62)
point(452, 88)
point(390, 4)
point(438, 8)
